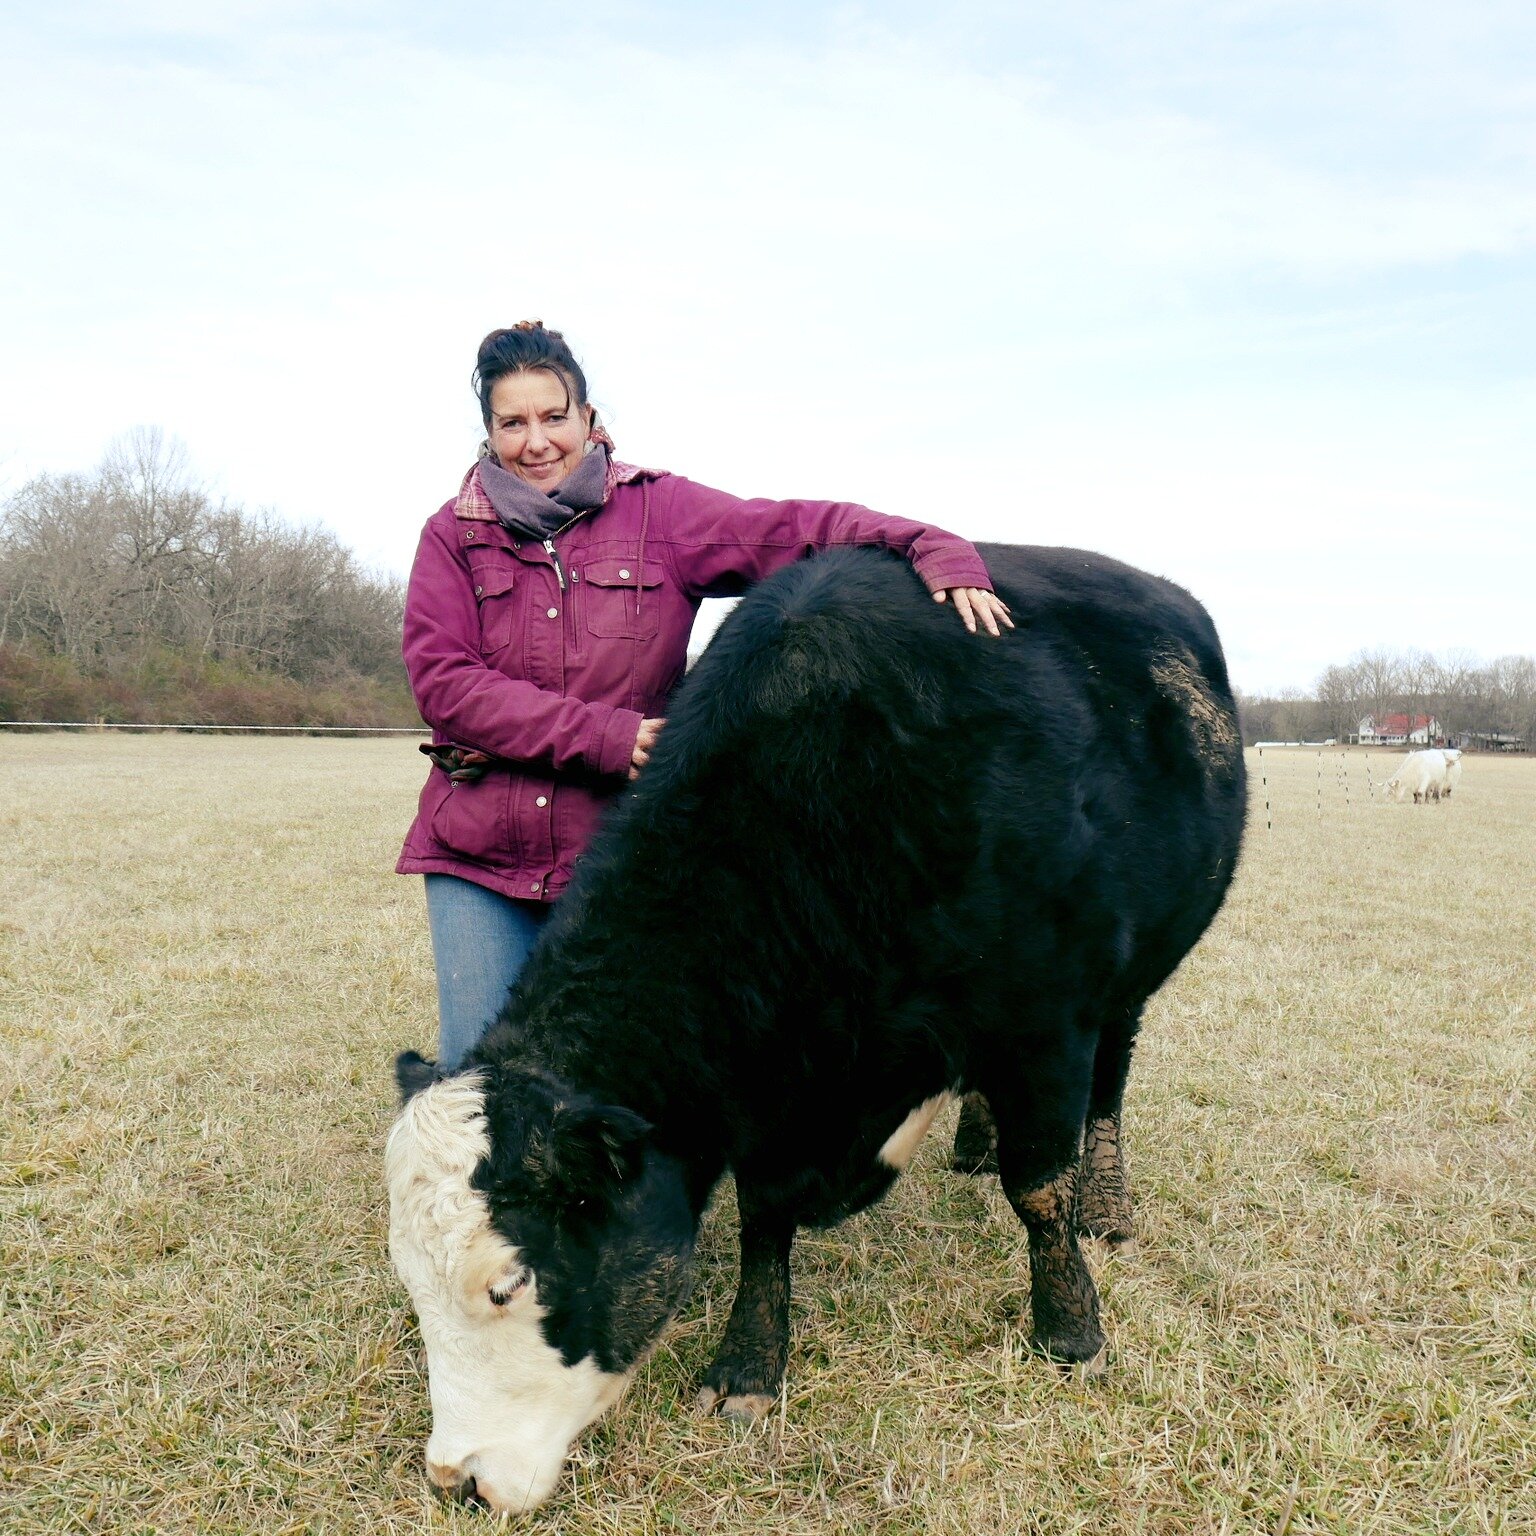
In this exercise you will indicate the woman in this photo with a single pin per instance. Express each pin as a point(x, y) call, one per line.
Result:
point(546, 622)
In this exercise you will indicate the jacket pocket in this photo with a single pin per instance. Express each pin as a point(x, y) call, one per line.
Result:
point(610, 599)
point(495, 598)
point(473, 820)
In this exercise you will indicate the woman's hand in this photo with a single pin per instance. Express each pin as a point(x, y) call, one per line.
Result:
point(464, 765)
point(973, 603)
point(649, 731)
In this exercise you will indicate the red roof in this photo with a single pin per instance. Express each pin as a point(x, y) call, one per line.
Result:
point(1397, 725)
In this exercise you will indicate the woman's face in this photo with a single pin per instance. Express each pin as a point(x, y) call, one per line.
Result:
point(538, 432)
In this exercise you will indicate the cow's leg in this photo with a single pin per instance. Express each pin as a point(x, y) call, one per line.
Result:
point(975, 1137)
point(1104, 1207)
point(1039, 1143)
point(744, 1378)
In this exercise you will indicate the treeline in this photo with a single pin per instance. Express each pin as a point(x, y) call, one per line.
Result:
point(1493, 702)
point(131, 594)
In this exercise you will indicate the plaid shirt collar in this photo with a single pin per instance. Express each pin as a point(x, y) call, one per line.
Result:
point(474, 506)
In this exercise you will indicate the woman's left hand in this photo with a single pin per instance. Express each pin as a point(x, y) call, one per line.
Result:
point(976, 603)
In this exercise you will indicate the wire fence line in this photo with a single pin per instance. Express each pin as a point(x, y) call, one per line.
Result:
point(287, 730)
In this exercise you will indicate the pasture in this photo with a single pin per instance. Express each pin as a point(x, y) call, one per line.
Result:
point(206, 967)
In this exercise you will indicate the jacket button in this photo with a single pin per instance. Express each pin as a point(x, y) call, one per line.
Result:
point(534, 886)
point(554, 613)
point(623, 575)
point(479, 591)
point(542, 800)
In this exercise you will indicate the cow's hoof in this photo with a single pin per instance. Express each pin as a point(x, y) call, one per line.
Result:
point(975, 1147)
point(1075, 1356)
point(1082, 1370)
point(1109, 1218)
point(743, 1407)
point(748, 1407)
point(1116, 1241)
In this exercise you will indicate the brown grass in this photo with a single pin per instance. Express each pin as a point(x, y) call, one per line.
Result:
point(206, 966)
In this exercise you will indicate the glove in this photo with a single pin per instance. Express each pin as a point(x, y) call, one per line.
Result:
point(463, 765)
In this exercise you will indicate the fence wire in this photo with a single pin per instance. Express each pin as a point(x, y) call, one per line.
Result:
point(289, 730)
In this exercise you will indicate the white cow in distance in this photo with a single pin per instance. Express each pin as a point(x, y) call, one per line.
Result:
point(1427, 775)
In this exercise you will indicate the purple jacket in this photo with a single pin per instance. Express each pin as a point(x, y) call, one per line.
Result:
point(552, 667)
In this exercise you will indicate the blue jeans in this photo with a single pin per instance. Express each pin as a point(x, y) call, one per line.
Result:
point(480, 940)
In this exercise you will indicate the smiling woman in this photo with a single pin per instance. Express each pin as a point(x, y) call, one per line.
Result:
point(536, 430)
point(546, 624)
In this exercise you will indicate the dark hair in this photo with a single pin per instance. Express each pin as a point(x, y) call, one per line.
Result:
point(527, 345)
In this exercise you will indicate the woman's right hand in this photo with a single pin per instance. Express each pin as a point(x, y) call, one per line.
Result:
point(649, 731)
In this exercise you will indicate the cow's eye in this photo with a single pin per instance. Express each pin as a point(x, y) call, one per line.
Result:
point(508, 1287)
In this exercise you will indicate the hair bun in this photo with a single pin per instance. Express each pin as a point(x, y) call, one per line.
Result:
point(538, 325)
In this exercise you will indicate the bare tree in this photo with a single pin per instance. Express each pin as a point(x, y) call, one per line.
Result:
point(1338, 700)
point(1380, 679)
point(61, 568)
point(162, 524)
point(107, 567)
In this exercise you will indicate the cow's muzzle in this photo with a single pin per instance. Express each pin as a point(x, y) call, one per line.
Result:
point(455, 1485)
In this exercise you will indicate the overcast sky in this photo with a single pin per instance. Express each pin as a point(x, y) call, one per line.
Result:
point(1243, 293)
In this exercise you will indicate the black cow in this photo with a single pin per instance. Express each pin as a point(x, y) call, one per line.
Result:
point(875, 861)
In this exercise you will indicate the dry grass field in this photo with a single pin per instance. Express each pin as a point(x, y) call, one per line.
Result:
point(1330, 1325)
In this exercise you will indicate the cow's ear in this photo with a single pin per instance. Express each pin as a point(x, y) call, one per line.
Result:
point(591, 1151)
point(413, 1072)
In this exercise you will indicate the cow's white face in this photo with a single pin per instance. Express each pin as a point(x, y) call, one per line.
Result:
point(505, 1407)
point(522, 1353)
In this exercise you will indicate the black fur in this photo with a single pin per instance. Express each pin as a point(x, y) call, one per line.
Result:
point(873, 857)
point(599, 1217)
point(413, 1072)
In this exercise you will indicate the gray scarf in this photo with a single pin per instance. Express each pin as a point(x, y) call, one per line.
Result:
point(541, 514)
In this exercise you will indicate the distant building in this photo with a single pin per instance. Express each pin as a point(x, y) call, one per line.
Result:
point(1398, 731)
point(1492, 741)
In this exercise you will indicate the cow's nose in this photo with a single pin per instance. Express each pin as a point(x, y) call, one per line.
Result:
point(453, 1483)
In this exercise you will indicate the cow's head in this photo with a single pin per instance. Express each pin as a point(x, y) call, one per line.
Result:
point(545, 1243)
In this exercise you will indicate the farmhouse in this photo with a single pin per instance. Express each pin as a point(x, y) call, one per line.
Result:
point(1397, 730)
